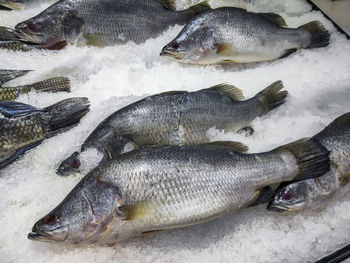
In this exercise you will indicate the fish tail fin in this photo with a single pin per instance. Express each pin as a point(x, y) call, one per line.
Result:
point(70, 165)
point(319, 35)
point(199, 8)
point(65, 114)
point(7, 75)
point(58, 84)
point(336, 127)
point(311, 157)
point(272, 97)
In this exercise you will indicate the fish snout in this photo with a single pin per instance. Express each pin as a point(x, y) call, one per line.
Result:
point(70, 165)
point(171, 52)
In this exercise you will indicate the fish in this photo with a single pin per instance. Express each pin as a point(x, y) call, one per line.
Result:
point(233, 35)
point(22, 4)
point(314, 194)
point(23, 126)
point(176, 118)
point(8, 40)
point(57, 84)
point(102, 22)
point(158, 188)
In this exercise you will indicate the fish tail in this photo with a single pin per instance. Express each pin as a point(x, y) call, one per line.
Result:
point(272, 96)
point(319, 35)
point(311, 157)
point(66, 113)
point(58, 84)
point(70, 165)
point(199, 8)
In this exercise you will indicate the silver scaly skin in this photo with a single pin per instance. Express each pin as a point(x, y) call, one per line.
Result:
point(158, 188)
point(24, 127)
point(230, 34)
point(315, 193)
point(102, 22)
point(177, 118)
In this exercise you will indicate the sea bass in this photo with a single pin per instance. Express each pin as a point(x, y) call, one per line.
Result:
point(102, 22)
point(159, 188)
point(176, 118)
point(230, 34)
point(314, 193)
point(57, 84)
point(24, 127)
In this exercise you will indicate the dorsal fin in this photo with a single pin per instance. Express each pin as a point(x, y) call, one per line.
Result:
point(173, 92)
point(235, 146)
point(338, 126)
point(12, 108)
point(229, 90)
point(279, 20)
point(7, 75)
point(170, 4)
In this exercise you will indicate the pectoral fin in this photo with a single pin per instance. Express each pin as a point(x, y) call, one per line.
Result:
point(225, 49)
point(139, 210)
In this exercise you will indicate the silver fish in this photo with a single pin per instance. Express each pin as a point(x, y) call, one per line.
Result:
point(102, 22)
point(24, 127)
point(230, 34)
point(176, 118)
point(159, 188)
point(315, 193)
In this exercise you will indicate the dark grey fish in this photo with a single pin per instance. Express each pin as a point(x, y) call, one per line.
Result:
point(314, 194)
point(24, 127)
point(231, 34)
point(176, 118)
point(102, 22)
point(159, 188)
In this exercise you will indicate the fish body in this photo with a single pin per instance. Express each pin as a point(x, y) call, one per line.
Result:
point(177, 118)
point(314, 194)
point(158, 188)
point(24, 126)
point(230, 34)
point(102, 22)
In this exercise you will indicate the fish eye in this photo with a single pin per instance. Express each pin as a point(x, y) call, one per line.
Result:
point(287, 195)
point(50, 219)
point(31, 25)
point(175, 45)
point(75, 164)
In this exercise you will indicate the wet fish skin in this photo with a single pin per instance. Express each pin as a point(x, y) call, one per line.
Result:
point(315, 193)
point(24, 127)
point(176, 118)
point(102, 22)
point(234, 35)
point(158, 188)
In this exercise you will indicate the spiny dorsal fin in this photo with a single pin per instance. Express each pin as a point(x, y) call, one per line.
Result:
point(13, 108)
point(139, 210)
point(342, 121)
point(174, 92)
point(229, 90)
point(170, 4)
point(338, 126)
point(235, 146)
point(279, 20)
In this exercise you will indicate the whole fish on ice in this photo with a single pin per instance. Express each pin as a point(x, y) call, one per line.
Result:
point(314, 193)
point(57, 84)
point(102, 22)
point(176, 118)
point(234, 35)
point(159, 188)
point(24, 127)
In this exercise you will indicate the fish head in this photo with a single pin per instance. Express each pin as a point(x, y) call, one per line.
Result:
point(82, 216)
point(54, 25)
point(70, 165)
point(290, 198)
point(193, 45)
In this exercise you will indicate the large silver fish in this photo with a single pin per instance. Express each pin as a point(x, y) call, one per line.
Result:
point(102, 22)
point(158, 188)
point(314, 194)
point(230, 34)
point(176, 118)
point(24, 127)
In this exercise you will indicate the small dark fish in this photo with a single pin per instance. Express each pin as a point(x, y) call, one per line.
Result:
point(103, 22)
point(314, 193)
point(24, 127)
point(176, 118)
point(159, 188)
point(231, 34)
point(58, 84)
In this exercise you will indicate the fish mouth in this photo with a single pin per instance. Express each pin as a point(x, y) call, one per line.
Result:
point(278, 209)
point(171, 54)
point(12, 5)
point(30, 37)
point(56, 235)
